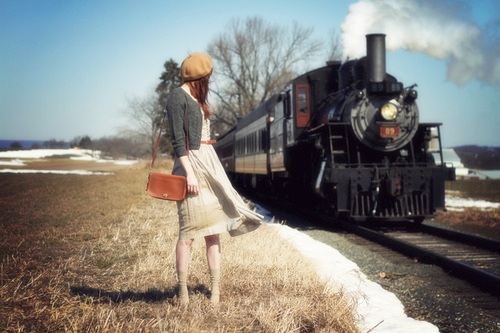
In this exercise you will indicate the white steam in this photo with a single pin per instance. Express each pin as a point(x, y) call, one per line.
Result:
point(431, 27)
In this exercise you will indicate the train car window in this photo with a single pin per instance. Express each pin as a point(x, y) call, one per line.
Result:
point(250, 143)
point(278, 111)
point(303, 113)
point(253, 142)
point(254, 134)
point(256, 142)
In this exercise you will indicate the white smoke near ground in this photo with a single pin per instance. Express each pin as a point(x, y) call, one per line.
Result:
point(437, 28)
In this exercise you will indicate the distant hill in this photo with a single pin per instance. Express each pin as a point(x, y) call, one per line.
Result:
point(32, 144)
point(479, 157)
point(20, 144)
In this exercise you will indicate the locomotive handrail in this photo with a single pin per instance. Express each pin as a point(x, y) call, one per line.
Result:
point(315, 129)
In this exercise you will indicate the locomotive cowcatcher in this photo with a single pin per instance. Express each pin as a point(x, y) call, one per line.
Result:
point(344, 139)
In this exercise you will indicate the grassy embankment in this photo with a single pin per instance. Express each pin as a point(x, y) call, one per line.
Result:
point(95, 254)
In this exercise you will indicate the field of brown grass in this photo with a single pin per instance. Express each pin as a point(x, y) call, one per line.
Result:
point(95, 254)
point(474, 220)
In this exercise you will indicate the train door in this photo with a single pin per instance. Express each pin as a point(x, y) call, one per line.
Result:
point(277, 137)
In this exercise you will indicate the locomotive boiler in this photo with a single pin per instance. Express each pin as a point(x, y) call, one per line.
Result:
point(344, 139)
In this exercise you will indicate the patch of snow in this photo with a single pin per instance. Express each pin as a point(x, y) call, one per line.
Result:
point(58, 172)
point(125, 162)
point(380, 310)
point(118, 162)
point(42, 153)
point(82, 158)
point(16, 162)
point(75, 154)
point(455, 203)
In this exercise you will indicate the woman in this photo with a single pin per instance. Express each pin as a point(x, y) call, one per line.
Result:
point(212, 206)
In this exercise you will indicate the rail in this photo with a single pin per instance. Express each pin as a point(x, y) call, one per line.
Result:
point(482, 279)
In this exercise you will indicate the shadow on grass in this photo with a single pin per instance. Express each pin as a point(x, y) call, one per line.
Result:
point(150, 296)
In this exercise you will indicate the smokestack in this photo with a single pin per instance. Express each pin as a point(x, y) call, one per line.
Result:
point(375, 54)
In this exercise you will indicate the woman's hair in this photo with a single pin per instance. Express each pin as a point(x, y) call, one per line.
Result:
point(199, 90)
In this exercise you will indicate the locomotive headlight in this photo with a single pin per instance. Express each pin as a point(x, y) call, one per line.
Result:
point(389, 111)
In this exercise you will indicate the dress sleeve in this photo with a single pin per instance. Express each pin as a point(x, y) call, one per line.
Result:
point(176, 110)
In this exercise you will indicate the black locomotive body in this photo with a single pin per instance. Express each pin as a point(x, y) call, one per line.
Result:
point(345, 139)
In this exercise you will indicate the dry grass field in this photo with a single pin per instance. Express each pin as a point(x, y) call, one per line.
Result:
point(95, 254)
point(474, 220)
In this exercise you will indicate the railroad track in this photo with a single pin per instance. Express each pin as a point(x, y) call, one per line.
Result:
point(469, 257)
point(426, 292)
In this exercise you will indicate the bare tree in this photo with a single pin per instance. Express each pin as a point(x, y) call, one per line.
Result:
point(334, 46)
point(124, 146)
point(254, 60)
point(145, 116)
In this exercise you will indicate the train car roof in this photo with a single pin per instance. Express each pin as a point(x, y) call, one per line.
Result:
point(259, 111)
point(256, 113)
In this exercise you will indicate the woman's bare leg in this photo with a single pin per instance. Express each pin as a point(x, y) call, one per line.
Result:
point(213, 251)
point(214, 259)
point(182, 258)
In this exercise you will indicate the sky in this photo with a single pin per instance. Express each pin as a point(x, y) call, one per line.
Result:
point(70, 68)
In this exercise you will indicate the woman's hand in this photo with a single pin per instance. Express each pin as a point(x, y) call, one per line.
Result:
point(192, 184)
point(192, 181)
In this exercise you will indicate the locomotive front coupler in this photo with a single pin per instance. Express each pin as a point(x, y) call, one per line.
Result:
point(389, 186)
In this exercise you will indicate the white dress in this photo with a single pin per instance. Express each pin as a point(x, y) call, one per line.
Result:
point(218, 207)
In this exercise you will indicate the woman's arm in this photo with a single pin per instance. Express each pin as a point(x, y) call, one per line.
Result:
point(176, 112)
point(192, 181)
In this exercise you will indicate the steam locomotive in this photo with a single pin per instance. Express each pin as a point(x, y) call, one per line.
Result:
point(344, 139)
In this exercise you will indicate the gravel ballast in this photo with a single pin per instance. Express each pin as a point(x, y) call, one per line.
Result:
point(426, 291)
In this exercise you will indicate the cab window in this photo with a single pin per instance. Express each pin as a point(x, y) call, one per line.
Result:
point(302, 105)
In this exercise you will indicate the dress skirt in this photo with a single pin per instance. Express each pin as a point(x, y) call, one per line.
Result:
point(218, 207)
